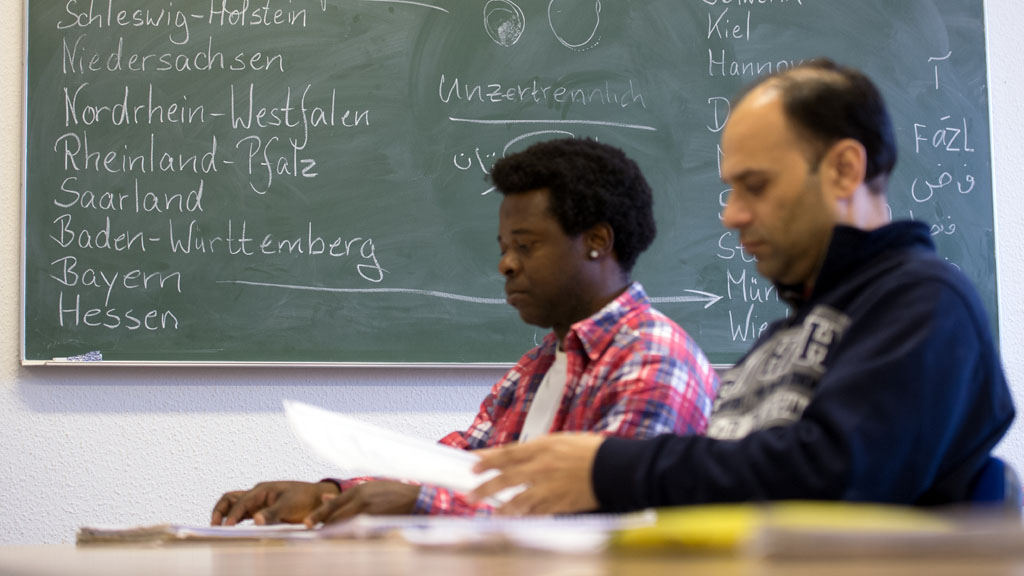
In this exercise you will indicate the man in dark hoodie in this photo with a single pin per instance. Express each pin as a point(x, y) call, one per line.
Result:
point(883, 384)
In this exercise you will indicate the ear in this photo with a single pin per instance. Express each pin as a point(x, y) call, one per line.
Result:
point(844, 168)
point(599, 238)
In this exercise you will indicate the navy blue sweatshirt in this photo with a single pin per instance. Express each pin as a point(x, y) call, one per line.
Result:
point(883, 385)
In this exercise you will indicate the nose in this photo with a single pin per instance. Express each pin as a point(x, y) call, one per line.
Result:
point(735, 214)
point(507, 264)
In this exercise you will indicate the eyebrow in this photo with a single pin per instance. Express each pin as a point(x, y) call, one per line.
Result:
point(524, 231)
point(748, 173)
point(518, 232)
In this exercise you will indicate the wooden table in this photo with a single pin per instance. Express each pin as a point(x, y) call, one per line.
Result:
point(385, 558)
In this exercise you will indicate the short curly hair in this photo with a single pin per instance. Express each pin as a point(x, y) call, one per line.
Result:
point(589, 183)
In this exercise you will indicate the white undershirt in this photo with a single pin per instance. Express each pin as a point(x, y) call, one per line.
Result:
point(547, 400)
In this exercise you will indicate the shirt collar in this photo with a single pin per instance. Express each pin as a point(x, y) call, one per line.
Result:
point(595, 333)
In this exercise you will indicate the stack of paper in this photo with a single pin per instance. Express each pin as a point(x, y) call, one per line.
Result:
point(166, 533)
point(565, 534)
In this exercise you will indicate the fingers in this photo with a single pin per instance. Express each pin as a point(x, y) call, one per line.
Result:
point(346, 511)
point(245, 507)
point(331, 503)
point(521, 505)
point(532, 502)
point(220, 510)
point(555, 470)
point(275, 502)
point(495, 485)
point(509, 461)
point(498, 458)
point(272, 514)
point(233, 507)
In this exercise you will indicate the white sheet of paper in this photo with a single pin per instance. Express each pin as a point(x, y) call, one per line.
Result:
point(370, 450)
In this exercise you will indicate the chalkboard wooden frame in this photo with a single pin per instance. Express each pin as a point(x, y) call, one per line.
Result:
point(378, 131)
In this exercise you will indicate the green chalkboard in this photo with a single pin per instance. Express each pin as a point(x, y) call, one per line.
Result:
point(305, 180)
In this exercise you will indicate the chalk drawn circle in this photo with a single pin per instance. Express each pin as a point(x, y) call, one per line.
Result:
point(522, 137)
point(590, 42)
point(504, 22)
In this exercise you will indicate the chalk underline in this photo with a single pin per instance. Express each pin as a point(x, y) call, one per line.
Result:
point(582, 122)
point(697, 297)
point(423, 4)
point(434, 293)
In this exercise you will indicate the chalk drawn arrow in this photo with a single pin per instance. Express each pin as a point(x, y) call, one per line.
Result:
point(694, 296)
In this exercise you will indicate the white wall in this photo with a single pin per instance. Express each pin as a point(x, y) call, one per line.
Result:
point(1006, 79)
point(114, 447)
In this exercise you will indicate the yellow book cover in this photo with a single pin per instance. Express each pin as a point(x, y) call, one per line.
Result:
point(750, 526)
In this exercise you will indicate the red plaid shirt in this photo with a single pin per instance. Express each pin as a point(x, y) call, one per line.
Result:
point(632, 372)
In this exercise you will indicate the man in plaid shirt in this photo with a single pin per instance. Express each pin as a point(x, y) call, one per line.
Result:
point(575, 216)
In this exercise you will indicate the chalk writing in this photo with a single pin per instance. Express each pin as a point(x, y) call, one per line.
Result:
point(72, 314)
point(137, 201)
point(77, 58)
point(127, 110)
point(452, 89)
point(948, 138)
point(721, 65)
point(77, 155)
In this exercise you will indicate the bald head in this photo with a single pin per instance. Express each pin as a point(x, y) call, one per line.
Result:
point(825, 103)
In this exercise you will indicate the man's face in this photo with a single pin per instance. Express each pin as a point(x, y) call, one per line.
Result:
point(777, 203)
point(541, 264)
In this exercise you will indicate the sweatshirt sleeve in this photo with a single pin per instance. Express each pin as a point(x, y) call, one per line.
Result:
point(910, 405)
